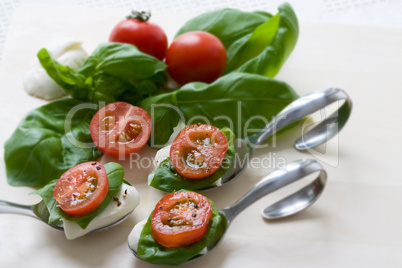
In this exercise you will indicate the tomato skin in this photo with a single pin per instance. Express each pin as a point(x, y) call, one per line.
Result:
point(180, 219)
point(148, 37)
point(82, 188)
point(119, 129)
point(196, 57)
point(198, 151)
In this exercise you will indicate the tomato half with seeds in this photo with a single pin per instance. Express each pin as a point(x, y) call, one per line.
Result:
point(180, 219)
point(82, 188)
point(119, 129)
point(198, 151)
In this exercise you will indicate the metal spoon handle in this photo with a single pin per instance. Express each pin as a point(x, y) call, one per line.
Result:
point(13, 208)
point(277, 179)
point(305, 106)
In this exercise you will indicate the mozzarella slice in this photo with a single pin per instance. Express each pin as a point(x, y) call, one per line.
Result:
point(122, 203)
point(135, 234)
point(37, 82)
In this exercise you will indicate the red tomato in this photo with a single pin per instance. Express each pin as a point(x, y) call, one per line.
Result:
point(180, 219)
point(198, 151)
point(148, 37)
point(119, 129)
point(196, 56)
point(82, 188)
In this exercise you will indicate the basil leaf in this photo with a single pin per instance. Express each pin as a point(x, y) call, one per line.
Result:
point(242, 102)
point(148, 249)
point(121, 60)
point(165, 115)
point(115, 174)
point(167, 179)
point(44, 146)
point(266, 49)
point(227, 24)
point(256, 42)
point(73, 83)
point(114, 71)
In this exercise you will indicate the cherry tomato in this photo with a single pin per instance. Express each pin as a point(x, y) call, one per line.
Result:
point(119, 129)
point(196, 57)
point(82, 188)
point(180, 219)
point(198, 151)
point(148, 37)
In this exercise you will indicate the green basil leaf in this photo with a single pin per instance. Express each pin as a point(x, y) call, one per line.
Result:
point(251, 46)
point(167, 179)
point(42, 148)
point(67, 78)
point(115, 174)
point(113, 72)
point(267, 48)
point(123, 61)
point(165, 115)
point(256, 42)
point(242, 102)
point(148, 249)
point(227, 24)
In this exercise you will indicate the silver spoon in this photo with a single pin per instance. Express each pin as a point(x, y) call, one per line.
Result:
point(40, 212)
point(275, 180)
point(297, 110)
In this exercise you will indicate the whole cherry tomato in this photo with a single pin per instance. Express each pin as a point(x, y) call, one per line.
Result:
point(196, 57)
point(148, 37)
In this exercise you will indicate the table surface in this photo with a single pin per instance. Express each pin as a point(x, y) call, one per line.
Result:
point(355, 223)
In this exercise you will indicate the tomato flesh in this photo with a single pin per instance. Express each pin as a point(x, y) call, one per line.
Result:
point(81, 189)
point(198, 151)
point(119, 129)
point(196, 57)
point(180, 219)
point(148, 37)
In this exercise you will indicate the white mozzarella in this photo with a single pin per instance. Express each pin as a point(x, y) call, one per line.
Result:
point(122, 203)
point(36, 81)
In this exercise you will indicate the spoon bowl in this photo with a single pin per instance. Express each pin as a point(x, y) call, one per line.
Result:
point(289, 205)
point(40, 212)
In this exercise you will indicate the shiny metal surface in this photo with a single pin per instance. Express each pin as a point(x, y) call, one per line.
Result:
point(297, 110)
point(40, 212)
point(275, 180)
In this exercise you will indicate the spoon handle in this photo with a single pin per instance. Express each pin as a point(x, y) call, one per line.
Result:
point(277, 179)
point(305, 106)
point(13, 208)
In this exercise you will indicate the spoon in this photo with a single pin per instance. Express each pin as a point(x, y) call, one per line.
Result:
point(297, 110)
point(40, 212)
point(278, 178)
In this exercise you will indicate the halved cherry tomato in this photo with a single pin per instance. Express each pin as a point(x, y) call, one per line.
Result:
point(198, 151)
point(119, 129)
point(82, 188)
point(196, 57)
point(148, 37)
point(180, 219)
